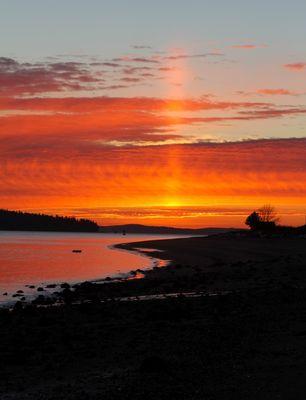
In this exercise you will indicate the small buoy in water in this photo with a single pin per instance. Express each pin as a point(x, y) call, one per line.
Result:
point(76, 251)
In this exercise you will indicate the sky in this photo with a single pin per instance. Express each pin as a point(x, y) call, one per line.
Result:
point(189, 114)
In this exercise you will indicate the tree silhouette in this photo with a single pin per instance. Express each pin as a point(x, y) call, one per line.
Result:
point(253, 220)
point(267, 213)
point(264, 219)
point(16, 220)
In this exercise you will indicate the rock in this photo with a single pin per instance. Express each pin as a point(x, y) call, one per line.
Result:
point(39, 300)
point(67, 296)
point(65, 286)
point(18, 306)
point(31, 286)
point(51, 286)
point(5, 294)
point(40, 289)
point(140, 271)
point(20, 291)
point(154, 364)
point(86, 285)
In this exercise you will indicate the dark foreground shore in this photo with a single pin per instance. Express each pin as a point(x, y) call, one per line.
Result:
point(249, 342)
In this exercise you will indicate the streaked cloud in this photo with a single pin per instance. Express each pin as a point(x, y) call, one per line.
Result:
point(183, 56)
point(60, 173)
point(298, 66)
point(135, 59)
point(141, 47)
point(23, 78)
point(249, 46)
point(127, 119)
point(277, 92)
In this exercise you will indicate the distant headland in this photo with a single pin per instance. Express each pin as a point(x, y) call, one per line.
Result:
point(162, 230)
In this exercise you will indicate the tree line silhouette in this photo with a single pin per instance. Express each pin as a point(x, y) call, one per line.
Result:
point(265, 220)
point(22, 221)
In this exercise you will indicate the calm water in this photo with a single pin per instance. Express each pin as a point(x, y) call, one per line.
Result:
point(39, 258)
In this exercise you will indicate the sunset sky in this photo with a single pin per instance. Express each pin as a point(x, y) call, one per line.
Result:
point(163, 113)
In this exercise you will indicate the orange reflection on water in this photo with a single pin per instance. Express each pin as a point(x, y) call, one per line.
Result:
point(42, 258)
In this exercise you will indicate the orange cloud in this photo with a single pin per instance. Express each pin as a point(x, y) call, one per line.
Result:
point(299, 66)
point(248, 46)
point(149, 104)
point(277, 92)
point(120, 121)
